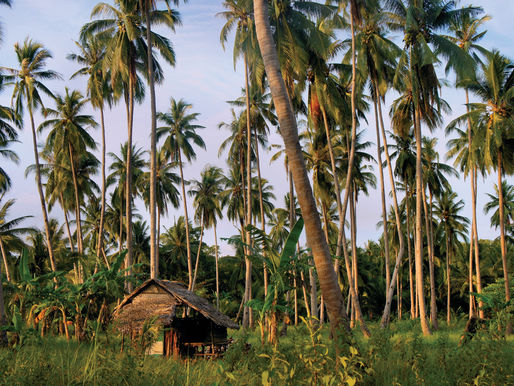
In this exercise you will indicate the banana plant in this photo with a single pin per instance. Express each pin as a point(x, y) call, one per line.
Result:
point(279, 266)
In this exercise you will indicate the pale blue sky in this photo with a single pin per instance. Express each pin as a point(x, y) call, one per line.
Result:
point(204, 76)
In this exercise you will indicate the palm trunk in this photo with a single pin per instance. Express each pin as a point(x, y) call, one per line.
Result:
point(409, 253)
point(383, 198)
point(474, 229)
point(3, 320)
point(128, 192)
point(188, 243)
point(433, 306)
point(67, 222)
point(502, 232)
point(261, 204)
point(154, 263)
point(289, 132)
point(198, 253)
point(313, 292)
point(158, 236)
point(305, 299)
point(248, 264)
point(399, 257)
point(470, 277)
point(448, 287)
point(102, 211)
point(77, 201)
point(4, 257)
point(40, 191)
point(476, 244)
point(419, 227)
point(217, 268)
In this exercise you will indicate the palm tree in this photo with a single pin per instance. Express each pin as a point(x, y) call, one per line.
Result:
point(180, 132)
point(10, 234)
point(207, 203)
point(166, 191)
point(122, 33)
point(454, 225)
point(3, 333)
point(69, 140)
point(466, 35)
point(419, 21)
point(493, 205)
point(91, 57)
point(289, 132)
point(170, 18)
point(27, 80)
point(495, 119)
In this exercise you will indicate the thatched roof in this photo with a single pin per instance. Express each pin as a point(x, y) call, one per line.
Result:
point(166, 295)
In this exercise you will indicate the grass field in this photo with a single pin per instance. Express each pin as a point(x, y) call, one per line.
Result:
point(400, 355)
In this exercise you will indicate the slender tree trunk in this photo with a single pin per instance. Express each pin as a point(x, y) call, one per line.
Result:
point(474, 226)
point(448, 287)
point(248, 264)
point(128, 192)
point(401, 248)
point(4, 257)
point(158, 236)
point(3, 320)
point(419, 227)
point(413, 298)
point(470, 277)
point(198, 253)
point(313, 292)
point(433, 306)
point(67, 222)
point(40, 191)
point(289, 131)
point(154, 263)
point(217, 268)
point(77, 201)
point(383, 198)
point(305, 299)
point(261, 204)
point(102, 211)
point(503, 244)
point(188, 242)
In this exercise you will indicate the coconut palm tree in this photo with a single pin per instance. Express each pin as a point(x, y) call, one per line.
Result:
point(180, 131)
point(28, 90)
point(91, 57)
point(289, 132)
point(166, 191)
point(69, 140)
point(207, 204)
point(495, 118)
point(465, 33)
point(170, 18)
point(123, 34)
point(420, 21)
point(447, 209)
point(493, 205)
point(10, 234)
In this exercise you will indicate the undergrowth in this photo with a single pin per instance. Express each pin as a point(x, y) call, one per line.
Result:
point(306, 356)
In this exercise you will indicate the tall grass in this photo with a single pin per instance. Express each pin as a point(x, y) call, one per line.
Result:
point(400, 355)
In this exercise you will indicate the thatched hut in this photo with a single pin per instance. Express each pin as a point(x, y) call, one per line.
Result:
point(190, 324)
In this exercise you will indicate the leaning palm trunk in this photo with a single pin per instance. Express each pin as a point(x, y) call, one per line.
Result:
point(40, 191)
point(289, 131)
point(390, 290)
point(261, 207)
point(428, 220)
point(419, 235)
point(502, 232)
point(248, 264)
point(154, 262)
point(382, 196)
point(4, 257)
point(99, 245)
